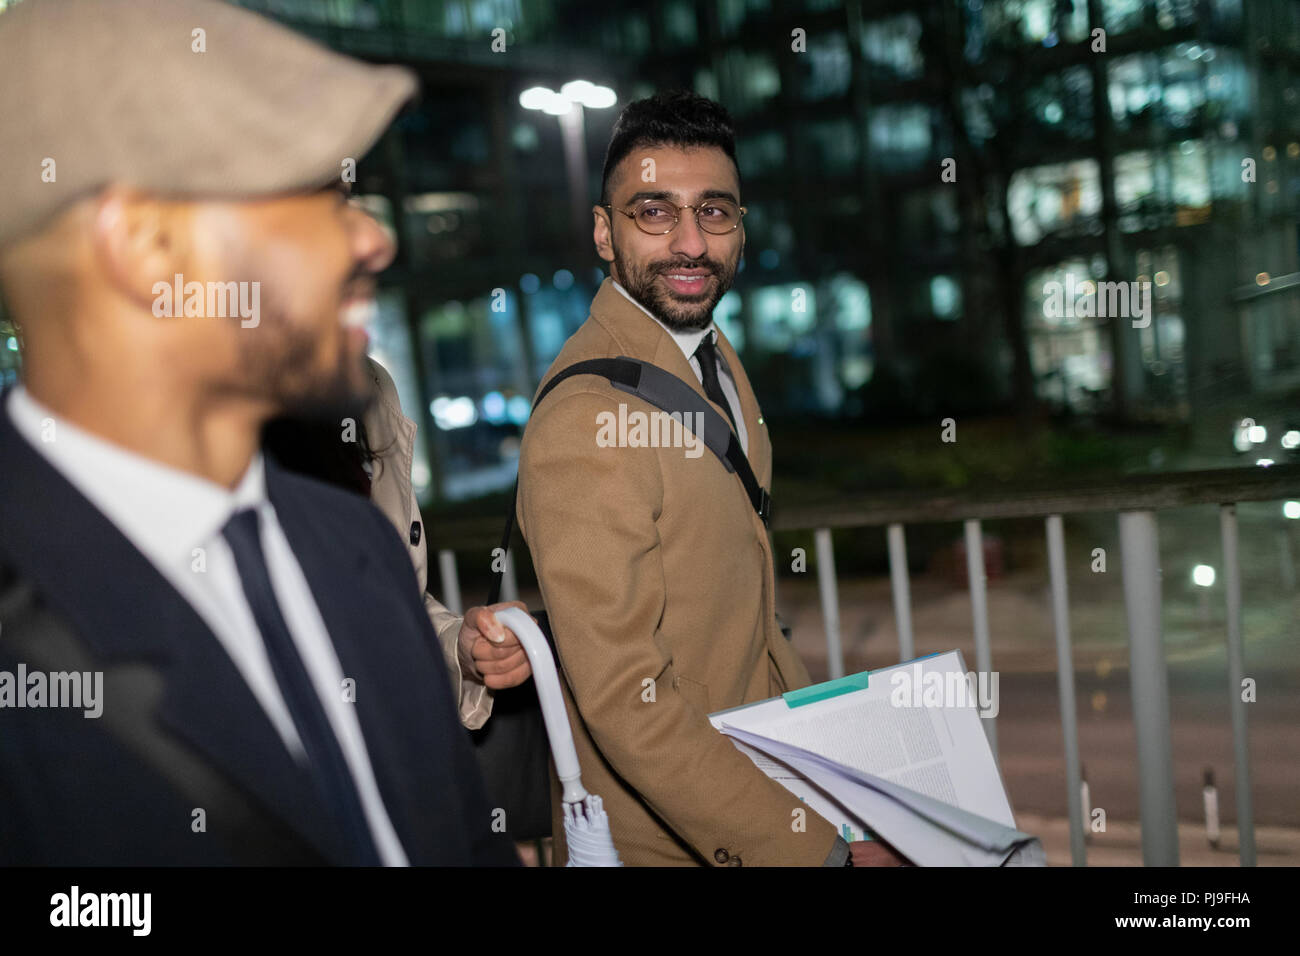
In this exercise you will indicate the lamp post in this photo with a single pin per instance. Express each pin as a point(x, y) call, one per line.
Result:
point(567, 106)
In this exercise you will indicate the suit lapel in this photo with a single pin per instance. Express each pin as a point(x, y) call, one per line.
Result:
point(125, 612)
point(366, 625)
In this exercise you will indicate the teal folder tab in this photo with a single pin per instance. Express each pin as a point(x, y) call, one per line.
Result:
point(825, 690)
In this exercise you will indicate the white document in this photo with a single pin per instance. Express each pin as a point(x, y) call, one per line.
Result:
point(890, 758)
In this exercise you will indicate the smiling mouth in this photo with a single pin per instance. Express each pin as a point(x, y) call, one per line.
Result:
point(686, 282)
point(357, 313)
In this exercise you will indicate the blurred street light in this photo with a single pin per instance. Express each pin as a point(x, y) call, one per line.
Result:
point(567, 105)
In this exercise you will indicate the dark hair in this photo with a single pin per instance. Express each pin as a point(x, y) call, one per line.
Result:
point(314, 448)
point(670, 118)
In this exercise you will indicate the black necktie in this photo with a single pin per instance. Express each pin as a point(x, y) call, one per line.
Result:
point(329, 769)
point(707, 355)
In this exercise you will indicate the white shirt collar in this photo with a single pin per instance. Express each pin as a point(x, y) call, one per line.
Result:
point(163, 511)
point(687, 341)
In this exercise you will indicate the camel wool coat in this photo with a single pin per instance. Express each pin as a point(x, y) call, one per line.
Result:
point(657, 575)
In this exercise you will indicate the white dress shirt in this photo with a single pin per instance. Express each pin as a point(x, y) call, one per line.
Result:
point(175, 520)
point(688, 342)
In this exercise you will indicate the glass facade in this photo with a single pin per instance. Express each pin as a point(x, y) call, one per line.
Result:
point(916, 174)
point(898, 207)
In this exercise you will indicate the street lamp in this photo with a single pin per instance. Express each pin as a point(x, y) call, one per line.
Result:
point(567, 105)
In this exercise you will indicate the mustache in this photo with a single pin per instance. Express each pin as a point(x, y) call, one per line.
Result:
point(360, 282)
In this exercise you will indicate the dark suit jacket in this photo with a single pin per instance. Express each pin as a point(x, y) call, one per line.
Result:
point(181, 731)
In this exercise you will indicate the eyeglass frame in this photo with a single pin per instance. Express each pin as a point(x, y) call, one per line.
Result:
point(677, 219)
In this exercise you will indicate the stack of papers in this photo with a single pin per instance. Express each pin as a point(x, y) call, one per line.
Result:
point(898, 752)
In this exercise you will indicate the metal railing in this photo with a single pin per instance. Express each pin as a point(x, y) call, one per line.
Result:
point(1135, 500)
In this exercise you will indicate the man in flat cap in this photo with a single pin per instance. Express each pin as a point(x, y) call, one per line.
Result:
point(204, 659)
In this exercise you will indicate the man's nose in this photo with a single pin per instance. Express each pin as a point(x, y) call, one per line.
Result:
point(688, 238)
point(372, 244)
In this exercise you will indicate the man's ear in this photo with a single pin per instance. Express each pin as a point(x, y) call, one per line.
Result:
point(138, 240)
point(602, 233)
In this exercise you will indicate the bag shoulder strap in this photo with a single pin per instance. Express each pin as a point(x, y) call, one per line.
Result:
point(665, 391)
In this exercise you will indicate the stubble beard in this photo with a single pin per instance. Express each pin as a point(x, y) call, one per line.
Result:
point(278, 360)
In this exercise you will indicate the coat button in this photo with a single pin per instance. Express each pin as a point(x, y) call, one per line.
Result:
point(415, 532)
point(734, 861)
point(721, 855)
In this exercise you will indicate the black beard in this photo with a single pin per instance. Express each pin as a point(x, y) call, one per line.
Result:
point(678, 313)
point(327, 403)
point(277, 362)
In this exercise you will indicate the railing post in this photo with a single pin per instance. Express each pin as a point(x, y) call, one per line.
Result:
point(979, 605)
point(1236, 673)
point(826, 585)
point(450, 594)
point(902, 592)
point(1149, 678)
point(1065, 687)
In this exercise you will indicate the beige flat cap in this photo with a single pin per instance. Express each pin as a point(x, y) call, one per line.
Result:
point(177, 97)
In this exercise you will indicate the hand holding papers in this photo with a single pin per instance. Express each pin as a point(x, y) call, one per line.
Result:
point(868, 753)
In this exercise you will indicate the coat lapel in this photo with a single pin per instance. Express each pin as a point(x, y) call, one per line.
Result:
point(125, 612)
point(390, 431)
point(759, 452)
point(368, 626)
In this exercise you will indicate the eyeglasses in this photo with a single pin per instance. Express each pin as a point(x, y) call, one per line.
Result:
point(658, 217)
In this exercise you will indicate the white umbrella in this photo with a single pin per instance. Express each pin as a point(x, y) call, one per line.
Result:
point(586, 826)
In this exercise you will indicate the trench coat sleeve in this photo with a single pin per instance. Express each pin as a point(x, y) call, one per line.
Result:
point(392, 492)
point(474, 700)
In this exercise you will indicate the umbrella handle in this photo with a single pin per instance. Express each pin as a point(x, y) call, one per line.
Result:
point(547, 682)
